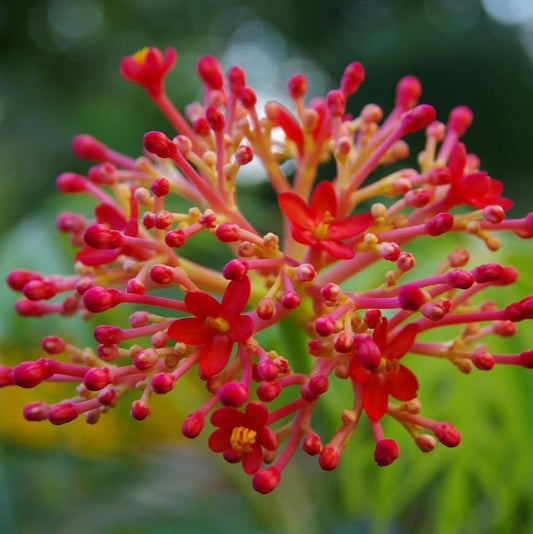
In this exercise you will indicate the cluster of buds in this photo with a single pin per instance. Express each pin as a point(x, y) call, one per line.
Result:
point(192, 318)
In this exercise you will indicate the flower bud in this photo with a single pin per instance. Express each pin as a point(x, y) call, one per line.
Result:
point(236, 79)
point(162, 383)
point(408, 92)
point(215, 118)
point(266, 480)
point(312, 444)
point(62, 413)
point(325, 325)
point(87, 147)
point(267, 370)
point(68, 182)
point(175, 238)
point(460, 119)
point(244, 155)
point(97, 378)
point(31, 374)
point(193, 425)
point(352, 78)
point(266, 309)
point(369, 352)
point(233, 394)
point(139, 410)
point(108, 334)
point(268, 391)
point(100, 236)
point(18, 278)
point(210, 72)
point(411, 297)
point(228, 232)
point(248, 97)
point(159, 144)
point(98, 299)
point(440, 224)
point(290, 300)
point(329, 458)
point(448, 435)
point(53, 344)
point(235, 270)
point(36, 411)
point(425, 442)
point(386, 452)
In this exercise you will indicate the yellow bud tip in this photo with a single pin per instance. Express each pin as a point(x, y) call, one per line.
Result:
point(140, 56)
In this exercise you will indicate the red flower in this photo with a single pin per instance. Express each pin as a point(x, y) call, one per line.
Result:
point(391, 377)
point(148, 67)
point(217, 325)
point(242, 435)
point(108, 215)
point(477, 189)
point(316, 225)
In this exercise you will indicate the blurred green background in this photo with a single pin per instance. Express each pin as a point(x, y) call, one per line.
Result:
point(58, 77)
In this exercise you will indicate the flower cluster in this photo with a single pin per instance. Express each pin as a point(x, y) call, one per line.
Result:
point(190, 316)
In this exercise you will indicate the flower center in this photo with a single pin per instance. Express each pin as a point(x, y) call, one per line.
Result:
point(242, 438)
point(217, 323)
point(321, 231)
point(140, 56)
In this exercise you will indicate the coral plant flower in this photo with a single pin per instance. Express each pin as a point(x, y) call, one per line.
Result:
point(316, 225)
point(217, 325)
point(242, 435)
point(391, 377)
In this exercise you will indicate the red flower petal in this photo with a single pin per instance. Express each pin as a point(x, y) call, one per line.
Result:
point(241, 329)
point(305, 237)
point(380, 334)
point(474, 186)
point(215, 355)
point(219, 440)
point(375, 396)
point(235, 298)
point(256, 414)
point(457, 162)
point(267, 438)
point(92, 257)
point(107, 214)
point(350, 227)
point(190, 330)
point(251, 461)
point(296, 210)
point(336, 249)
point(402, 384)
point(358, 373)
point(400, 345)
point(202, 304)
point(227, 417)
point(323, 200)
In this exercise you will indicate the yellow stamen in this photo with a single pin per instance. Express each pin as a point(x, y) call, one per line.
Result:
point(140, 56)
point(217, 323)
point(242, 438)
point(321, 231)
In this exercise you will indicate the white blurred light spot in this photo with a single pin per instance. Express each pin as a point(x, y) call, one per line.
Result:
point(509, 11)
point(75, 20)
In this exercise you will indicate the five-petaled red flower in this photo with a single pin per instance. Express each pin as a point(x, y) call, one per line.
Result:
point(391, 377)
point(148, 67)
point(316, 225)
point(477, 188)
point(242, 435)
point(217, 325)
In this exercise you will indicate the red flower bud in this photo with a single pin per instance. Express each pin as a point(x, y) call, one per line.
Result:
point(386, 452)
point(440, 224)
point(159, 144)
point(108, 396)
point(36, 411)
point(53, 344)
point(248, 97)
point(297, 86)
point(267, 370)
point(163, 383)
point(268, 391)
point(87, 147)
point(62, 413)
point(233, 394)
point(266, 480)
point(228, 232)
point(352, 78)
point(108, 334)
point(418, 118)
point(329, 458)
point(236, 78)
point(97, 378)
point(98, 299)
point(312, 444)
point(290, 299)
point(40, 289)
point(460, 279)
point(244, 155)
point(160, 187)
point(411, 297)
point(460, 119)
point(369, 353)
point(18, 278)
point(210, 71)
point(325, 326)
point(103, 173)
point(139, 410)
point(31, 374)
point(100, 236)
point(488, 272)
point(193, 425)
point(336, 102)
point(448, 435)
point(68, 182)
point(215, 118)
point(235, 269)
point(408, 92)
point(266, 309)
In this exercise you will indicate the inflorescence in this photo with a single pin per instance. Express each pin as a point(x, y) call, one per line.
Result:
point(208, 320)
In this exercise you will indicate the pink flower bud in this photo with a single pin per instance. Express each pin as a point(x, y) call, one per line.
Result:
point(316, 386)
point(36, 411)
point(266, 481)
point(244, 155)
point(146, 359)
point(448, 435)
point(103, 173)
point(325, 326)
point(268, 391)
point(108, 334)
point(526, 359)
point(107, 352)
point(210, 72)
point(386, 452)
point(411, 297)
point(108, 396)
point(352, 78)
point(494, 214)
point(439, 176)
point(389, 251)
point(408, 92)
point(100, 236)
point(193, 425)
point(136, 287)
point(331, 292)
point(418, 198)
point(236, 78)
point(483, 360)
point(266, 309)
point(162, 274)
point(68, 182)
point(18, 278)
point(233, 394)
point(305, 272)
point(439, 224)
point(40, 290)
point(436, 310)
point(488, 272)
point(62, 413)
point(228, 232)
point(504, 328)
point(162, 383)
point(459, 257)
point(297, 86)
point(248, 97)
point(369, 353)
point(406, 262)
point(6, 376)
point(418, 118)
point(336, 102)
point(459, 278)
point(329, 458)
point(460, 119)
point(159, 144)
point(31, 374)
point(87, 147)
point(343, 342)
point(97, 378)
point(312, 444)
point(267, 370)
point(175, 238)
point(215, 118)
point(29, 308)
point(163, 220)
point(425, 442)
point(235, 270)
point(98, 299)
point(139, 410)
point(290, 299)
point(160, 187)
point(372, 318)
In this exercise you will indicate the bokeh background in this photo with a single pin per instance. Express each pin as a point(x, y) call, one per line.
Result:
point(58, 77)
